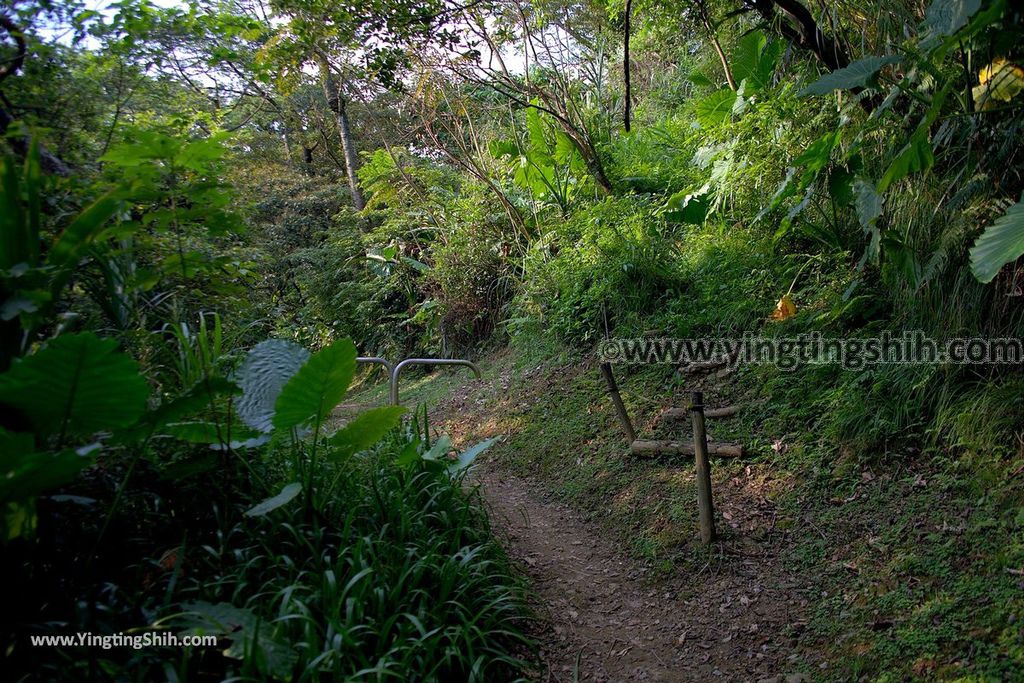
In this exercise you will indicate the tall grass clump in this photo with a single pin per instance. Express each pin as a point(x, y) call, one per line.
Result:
point(400, 580)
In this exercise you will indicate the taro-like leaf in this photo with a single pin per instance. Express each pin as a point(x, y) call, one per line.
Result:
point(81, 230)
point(367, 429)
point(25, 473)
point(868, 203)
point(206, 432)
point(223, 618)
point(915, 157)
point(246, 636)
point(319, 385)
point(946, 17)
point(1001, 243)
point(754, 60)
point(716, 108)
point(856, 75)
point(466, 457)
point(684, 207)
point(77, 384)
point(264, 372)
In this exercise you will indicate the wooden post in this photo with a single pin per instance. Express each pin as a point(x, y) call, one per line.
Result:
point(620, 409)
point(705, 507)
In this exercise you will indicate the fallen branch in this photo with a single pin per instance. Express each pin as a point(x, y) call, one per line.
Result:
point(646, 448)
point(680, 414)
point(704, 366)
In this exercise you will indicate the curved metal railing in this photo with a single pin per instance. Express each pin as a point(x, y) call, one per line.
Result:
point(396, 372)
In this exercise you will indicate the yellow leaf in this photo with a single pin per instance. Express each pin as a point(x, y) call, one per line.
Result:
point(1001, 80)
point(982, 100)
point(784, 309)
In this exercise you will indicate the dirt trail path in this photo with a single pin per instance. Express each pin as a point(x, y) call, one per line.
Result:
point(607, 622)
point(603, 616)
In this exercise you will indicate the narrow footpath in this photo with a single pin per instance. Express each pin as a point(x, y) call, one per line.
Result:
point(604, 619)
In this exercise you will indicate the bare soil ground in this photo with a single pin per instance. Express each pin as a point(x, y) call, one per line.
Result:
point(605, 620)
point(605, 616)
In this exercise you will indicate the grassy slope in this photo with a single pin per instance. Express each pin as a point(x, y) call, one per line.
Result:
point(914, 560)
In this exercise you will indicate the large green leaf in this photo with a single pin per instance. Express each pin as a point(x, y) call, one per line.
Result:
point(24, 473)
point(818, 153)
point(367, 429)
point(195, 400)
point(535, 129)
point(754, 60)
point(83, 231)
point(746, 54)
point(869, 208)
point(317, 387)
point(198, 399)
point(840, 186)
point(699, 79)
point(868, 203)
point(77, 384)
point(856, 75)
point(716, 108)
point(247, 636)
point(687, 207)
point(812, 160)
point(1001, 243)
point(902, 256)
point(266, 369)
point(916, 156)
point(206, 432)
point(503, 148)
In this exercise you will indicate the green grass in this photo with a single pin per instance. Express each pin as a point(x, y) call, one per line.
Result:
point(922, 571)
point(912, 558)
point(397, 577)
point(404, 580)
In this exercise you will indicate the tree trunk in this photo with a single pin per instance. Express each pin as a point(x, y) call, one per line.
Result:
point(586, 148)
point(713, 36)
point(625, 68)
point(307, 160)
point(349, 148)
point(48, 161)
point(596, 169)
point(797, 25)
point(338, 104)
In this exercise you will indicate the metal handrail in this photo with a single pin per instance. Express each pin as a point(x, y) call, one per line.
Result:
point(397, 370)
point(375, 360)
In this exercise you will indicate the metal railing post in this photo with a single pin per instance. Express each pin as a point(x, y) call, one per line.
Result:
point(374, 360)
point(397, 370)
